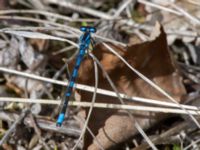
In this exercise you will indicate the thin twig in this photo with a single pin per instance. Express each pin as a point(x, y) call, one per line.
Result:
point(40, 12)
point(65, 49)
point(101, 105)
point(38, 35)
point(180, 11)
point(122, 7)
point(165, 135)
point(64, 27)
point(81, 9)
point(194, 2)
point(91, 108)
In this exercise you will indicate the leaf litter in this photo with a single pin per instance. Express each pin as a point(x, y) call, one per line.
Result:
point(151, 55)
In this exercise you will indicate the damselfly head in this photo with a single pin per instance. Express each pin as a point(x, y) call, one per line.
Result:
point(88, 29)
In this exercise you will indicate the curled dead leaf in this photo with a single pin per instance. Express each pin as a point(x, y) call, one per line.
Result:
point(152, 59)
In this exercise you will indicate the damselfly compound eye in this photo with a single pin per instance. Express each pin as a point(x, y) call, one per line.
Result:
point(92, 29)
point(83, 29)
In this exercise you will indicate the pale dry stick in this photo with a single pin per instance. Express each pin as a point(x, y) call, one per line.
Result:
point(4, 37)
point(155, 86)
point(101, 105)
point(128, 12)
point(141, 35)
point(59, 16)
point(182, 33)
point(61, 34)
point(149, 28)
point(138, 127)
point(68, 130)
point(35, 20)
point(22, 2)
point(186, 14)
point(91, 107)
point(38, 12)
point(65, 49)
point(81, 9)
point(148, 140)
point(29, 19)
point(104, 28)
point(38, 35)
point(37, 4)
point(45, 13)
point(32, 28)
point(180, 11)
point(99, 91)
point(195, 2)
point(121, 8)
point(109, 40)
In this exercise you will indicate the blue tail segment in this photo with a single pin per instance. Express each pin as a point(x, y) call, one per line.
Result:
point(60, 119)
point(85, 40)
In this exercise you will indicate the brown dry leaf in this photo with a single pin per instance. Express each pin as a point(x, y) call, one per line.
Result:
point(3, 4)
point(153, 59)
point(7, 147)
point(39, 44)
